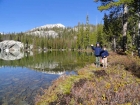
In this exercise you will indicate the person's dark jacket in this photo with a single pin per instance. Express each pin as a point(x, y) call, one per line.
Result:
point(104, 53)
point(97, 50)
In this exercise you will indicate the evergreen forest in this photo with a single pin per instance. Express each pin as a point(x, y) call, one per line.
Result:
point(120, 30)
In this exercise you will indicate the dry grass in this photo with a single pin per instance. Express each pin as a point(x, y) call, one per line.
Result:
point(119, 84)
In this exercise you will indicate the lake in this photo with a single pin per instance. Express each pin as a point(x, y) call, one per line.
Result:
point(24, 75)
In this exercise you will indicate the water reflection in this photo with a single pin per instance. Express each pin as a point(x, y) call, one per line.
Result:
point(11, 55)
point(22, 79)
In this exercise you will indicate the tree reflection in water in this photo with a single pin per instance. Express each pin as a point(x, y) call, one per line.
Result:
point(24, 74)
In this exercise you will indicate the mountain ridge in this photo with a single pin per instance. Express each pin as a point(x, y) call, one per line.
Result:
point(46, 30)
point(58, 25)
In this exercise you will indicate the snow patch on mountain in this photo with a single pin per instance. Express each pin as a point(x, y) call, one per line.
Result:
point(49, 26)
point(46, 30)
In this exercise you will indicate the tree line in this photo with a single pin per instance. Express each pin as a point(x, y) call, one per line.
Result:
point(79, 37)
point(119, 31)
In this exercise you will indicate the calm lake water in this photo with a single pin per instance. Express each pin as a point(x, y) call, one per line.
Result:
point(24, 75)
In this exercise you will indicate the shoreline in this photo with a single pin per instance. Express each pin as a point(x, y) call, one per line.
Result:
point(117, 84)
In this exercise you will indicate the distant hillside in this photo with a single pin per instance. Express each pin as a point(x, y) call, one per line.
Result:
point(53, 30)
point(48, 26)
point(47, 30)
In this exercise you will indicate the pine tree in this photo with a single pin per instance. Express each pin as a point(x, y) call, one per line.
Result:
point(118, 8)
point(86, 37)
point(78, 37)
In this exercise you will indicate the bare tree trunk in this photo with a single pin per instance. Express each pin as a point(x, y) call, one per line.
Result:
point(133, 40)
point(114, 44)
point(139, 36)
point(125, 12)
point(139, 28)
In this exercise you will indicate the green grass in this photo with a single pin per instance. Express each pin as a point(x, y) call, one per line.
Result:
point(115, 79)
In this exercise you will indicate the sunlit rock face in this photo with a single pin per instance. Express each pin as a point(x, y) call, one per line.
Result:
point(10, 50)
point(44, 33)
point(11, 45)
point(59, 25)
point(47, 30)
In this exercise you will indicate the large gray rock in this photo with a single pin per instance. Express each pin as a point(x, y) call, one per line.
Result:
point(11, 45)
point(10, 50)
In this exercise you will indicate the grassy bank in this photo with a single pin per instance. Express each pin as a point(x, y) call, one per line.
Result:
point(119, 84)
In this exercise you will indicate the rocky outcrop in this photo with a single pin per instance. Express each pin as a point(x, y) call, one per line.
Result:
point(11, 45)
point(10, 50)
point(49, 26)
point(46, 30)
point(49, 33)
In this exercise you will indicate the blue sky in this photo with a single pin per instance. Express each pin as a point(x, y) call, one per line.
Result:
point(23, 15)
